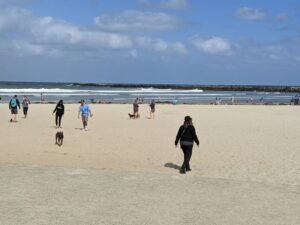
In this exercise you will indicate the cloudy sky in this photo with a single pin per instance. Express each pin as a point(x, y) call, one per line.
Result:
point(151, 41)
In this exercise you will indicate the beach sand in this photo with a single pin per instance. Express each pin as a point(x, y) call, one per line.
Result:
point(246, 170)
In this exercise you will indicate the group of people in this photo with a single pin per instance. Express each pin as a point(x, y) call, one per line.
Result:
point(14, 104)
point(186, 134)
point(84, 110)
point(136, 108)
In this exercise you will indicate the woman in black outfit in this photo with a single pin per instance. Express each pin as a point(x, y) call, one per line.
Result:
point(60, 110)
point(187, 136)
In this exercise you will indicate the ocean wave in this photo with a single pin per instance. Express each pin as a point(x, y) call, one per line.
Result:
point(181, 94)
point(58, 90)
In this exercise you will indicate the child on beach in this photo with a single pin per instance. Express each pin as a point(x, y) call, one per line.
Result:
point(85, 112)
point(152, 109)
point(187, 136)
point(25, 105)
point(13, 106)
point(60, 111)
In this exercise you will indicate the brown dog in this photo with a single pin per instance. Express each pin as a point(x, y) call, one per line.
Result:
point(59, 138)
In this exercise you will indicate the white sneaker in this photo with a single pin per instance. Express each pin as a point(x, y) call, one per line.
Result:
point(85, 129)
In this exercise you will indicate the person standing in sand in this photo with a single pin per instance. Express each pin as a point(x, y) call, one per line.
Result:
point(187, 136)
point(13, 106)
point(85, 112)
point(152, 109)
point(25, 105)
point(136, 108)
point(59, 112)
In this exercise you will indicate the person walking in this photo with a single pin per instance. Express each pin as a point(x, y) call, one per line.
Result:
point(59, 112)
point(85, 112)
point(187, 136)
point(14, 103)
point(136, 108)
point(25, 105)
point(152, 109)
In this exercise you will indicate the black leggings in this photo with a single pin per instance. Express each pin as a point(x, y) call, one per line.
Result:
point(187, 151)
point(25, 110)
point(58, 117)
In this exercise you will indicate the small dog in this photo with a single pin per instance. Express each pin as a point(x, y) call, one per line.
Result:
point(59, 138)
point(132, 116)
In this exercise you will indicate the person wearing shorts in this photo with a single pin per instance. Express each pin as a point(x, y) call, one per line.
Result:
point(85, 112)
point(13, 106)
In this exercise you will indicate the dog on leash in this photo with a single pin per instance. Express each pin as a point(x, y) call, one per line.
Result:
point(132, 116)
point(59, 138)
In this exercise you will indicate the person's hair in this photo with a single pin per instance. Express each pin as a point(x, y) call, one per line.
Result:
point(187, 121)
point(15, 96)
point(60, 102)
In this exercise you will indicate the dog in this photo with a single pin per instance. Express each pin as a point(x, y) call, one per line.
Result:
point(132, 116)
point(59, 138)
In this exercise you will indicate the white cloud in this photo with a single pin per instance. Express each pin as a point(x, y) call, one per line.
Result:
point(22, 33)
point(251, 14)
point(15, 20)
point(50, 30)
point(175, 4)
point(213, 45)
point(28, 48)
point(179, 48)
point(152, 44)
point(136, 21)
point(33, 34)
point(159, 45)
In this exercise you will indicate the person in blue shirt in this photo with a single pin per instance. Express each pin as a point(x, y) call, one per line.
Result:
point(85, 112)
point(13, 106)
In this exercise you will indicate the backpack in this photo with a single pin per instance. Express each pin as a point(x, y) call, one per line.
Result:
point(13, 102)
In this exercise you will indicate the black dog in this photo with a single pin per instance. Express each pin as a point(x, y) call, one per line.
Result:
point(59, 138)
point(132, 116)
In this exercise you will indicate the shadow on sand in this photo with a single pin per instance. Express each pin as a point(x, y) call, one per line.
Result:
point(173, 166)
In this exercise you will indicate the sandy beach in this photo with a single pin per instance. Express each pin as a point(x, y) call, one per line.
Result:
point(244, 151)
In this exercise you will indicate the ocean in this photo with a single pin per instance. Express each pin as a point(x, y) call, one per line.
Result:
point(112, 93)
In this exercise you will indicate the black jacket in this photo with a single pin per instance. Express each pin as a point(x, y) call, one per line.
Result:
point(187, 135)
point(59, 109)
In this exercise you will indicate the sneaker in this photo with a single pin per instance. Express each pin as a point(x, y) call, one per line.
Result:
point(182, 171)
point(188, 169)
point(85, 129)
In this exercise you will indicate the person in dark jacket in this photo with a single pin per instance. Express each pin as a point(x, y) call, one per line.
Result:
point(13, 106)
point(60, 111)
point(187, 136)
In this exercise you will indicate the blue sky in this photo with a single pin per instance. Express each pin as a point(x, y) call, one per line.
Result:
point(151, 41)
